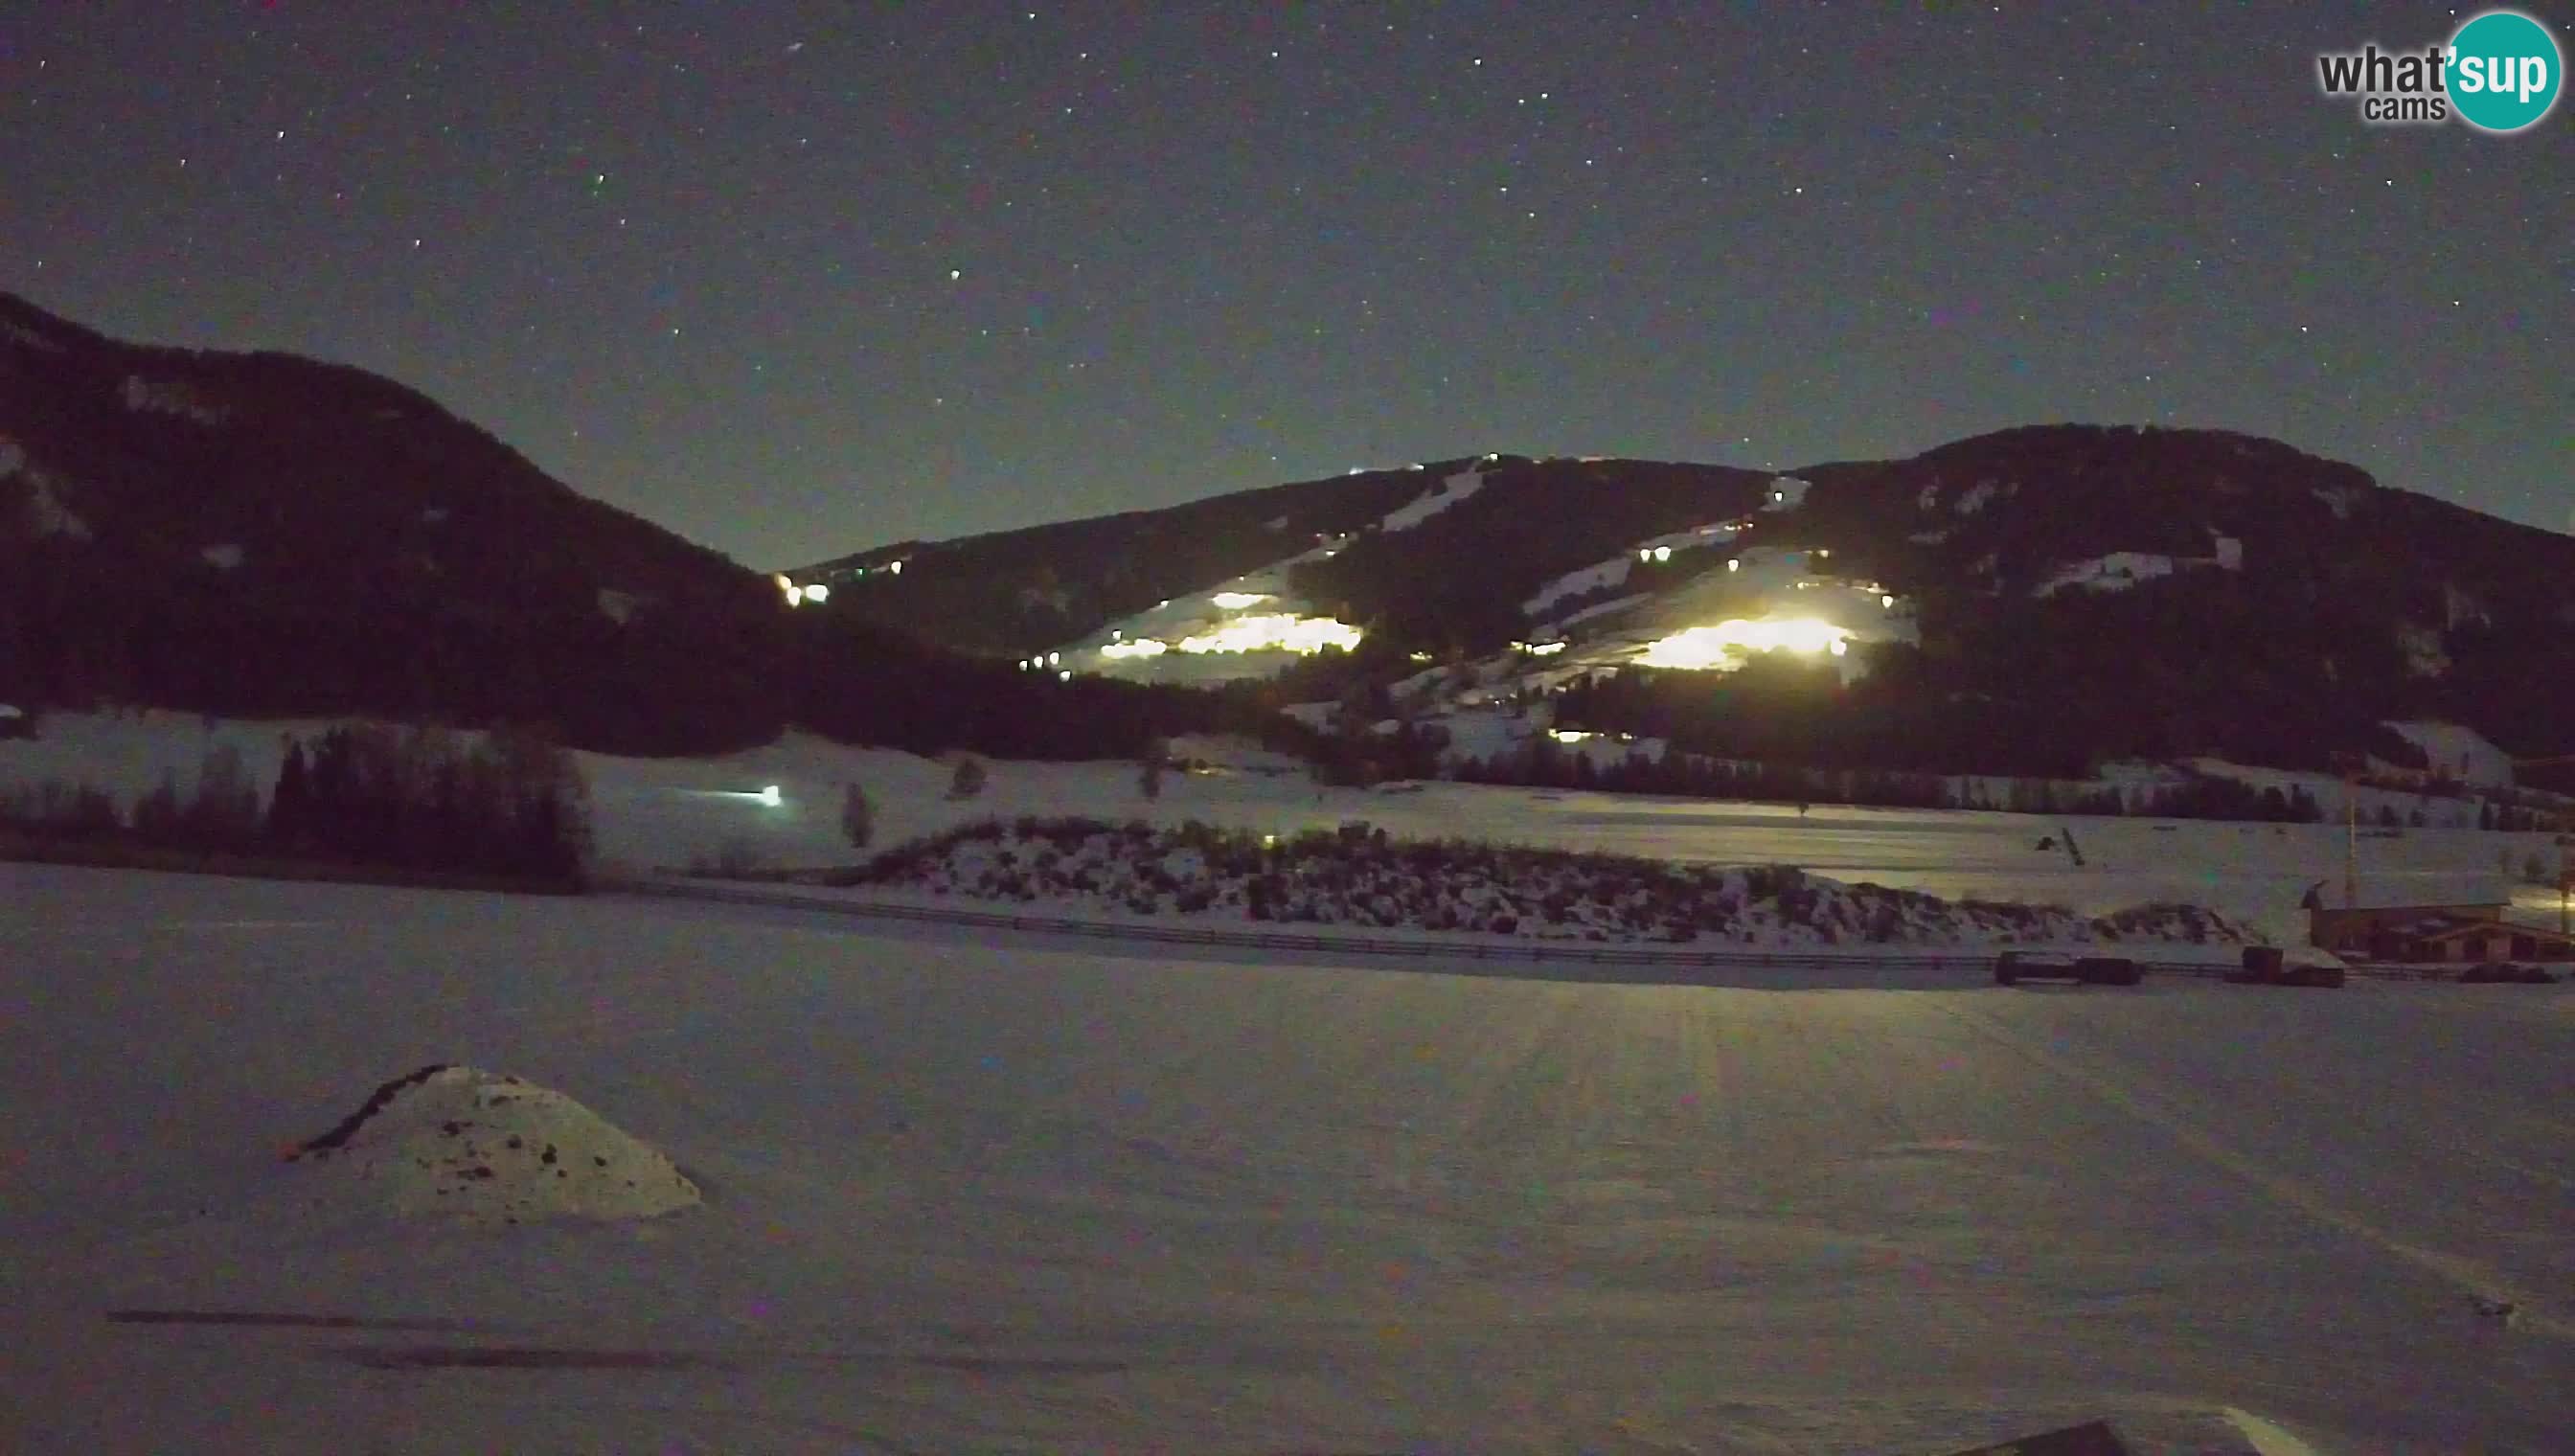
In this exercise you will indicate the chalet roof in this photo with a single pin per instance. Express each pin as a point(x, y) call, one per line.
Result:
point(2461, 929)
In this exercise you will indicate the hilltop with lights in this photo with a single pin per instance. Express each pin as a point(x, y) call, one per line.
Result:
point(2041, 601)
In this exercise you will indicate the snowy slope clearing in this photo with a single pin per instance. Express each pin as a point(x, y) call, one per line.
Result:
point(1029, 1199)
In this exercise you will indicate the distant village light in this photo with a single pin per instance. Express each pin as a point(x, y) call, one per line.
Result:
point(818, 592)
point(1662, 552)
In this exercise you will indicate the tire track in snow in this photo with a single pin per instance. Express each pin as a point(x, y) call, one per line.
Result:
point(2474, 1279)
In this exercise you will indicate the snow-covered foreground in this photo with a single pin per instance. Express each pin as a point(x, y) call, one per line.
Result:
point(1026, 1197)
point(670, 811)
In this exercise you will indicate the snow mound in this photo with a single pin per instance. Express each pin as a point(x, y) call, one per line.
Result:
point(2459, 753)
point(484, 1147)
point(2116, 572)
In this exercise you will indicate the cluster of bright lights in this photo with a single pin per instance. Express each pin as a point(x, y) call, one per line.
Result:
point(1654, 554)
point(1727, 643)
point(1273, 632)
point(817, 594)
point(1538, 648)
point(1236, 600)
point(1042, 659)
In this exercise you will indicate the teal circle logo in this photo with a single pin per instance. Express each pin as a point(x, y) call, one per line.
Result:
point(2504, 71)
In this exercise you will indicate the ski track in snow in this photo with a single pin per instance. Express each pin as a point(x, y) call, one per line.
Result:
point(1011, 1196)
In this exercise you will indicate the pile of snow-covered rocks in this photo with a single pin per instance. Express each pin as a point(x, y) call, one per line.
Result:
point(454, 1141)
point(1360, 876)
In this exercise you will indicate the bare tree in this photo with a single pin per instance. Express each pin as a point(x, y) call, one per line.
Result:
point(1149, 768)
point(858, 818)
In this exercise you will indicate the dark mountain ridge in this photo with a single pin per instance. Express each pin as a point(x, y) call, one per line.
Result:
point(2080, 593)
point(263, 534)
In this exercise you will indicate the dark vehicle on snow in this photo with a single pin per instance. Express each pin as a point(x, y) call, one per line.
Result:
point(2506, 972)
point(2269, 966)
point(2015, 966)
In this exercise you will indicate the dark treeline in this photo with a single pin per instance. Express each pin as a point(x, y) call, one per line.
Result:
point(870, 684)
point(1898, 718)
point(505, 804)
point(664, 683)
point(508, 806)
point(1692, 775)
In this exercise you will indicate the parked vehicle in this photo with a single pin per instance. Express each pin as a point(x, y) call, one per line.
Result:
point(2269, 966)
point(2506, 972)
point(2015, 966)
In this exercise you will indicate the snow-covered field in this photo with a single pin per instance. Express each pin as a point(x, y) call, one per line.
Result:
point(670, 811)
point(1033, 1197)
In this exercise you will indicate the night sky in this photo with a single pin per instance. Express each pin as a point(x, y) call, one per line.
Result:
point(798, 279)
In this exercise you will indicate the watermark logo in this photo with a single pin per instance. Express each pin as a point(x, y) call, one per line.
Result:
point(2500, 72)
point(2505, 71)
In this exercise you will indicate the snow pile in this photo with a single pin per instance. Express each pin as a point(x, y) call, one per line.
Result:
point(1453, 490)
point(171, 397)
point(458, 1143)
point(2116, 572)
point(1358, 876)
point(2459, 753)
point(2425, 657)
point(20, 334)
point(47, 515)
point(1975, 497)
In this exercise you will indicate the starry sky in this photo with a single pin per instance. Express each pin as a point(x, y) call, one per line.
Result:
point(796, 279)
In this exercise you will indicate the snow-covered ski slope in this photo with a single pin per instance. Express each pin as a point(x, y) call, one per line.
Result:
point(1249, 627)
point(1021, 1197)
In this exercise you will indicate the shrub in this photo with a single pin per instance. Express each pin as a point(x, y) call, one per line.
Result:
point(64, 811)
